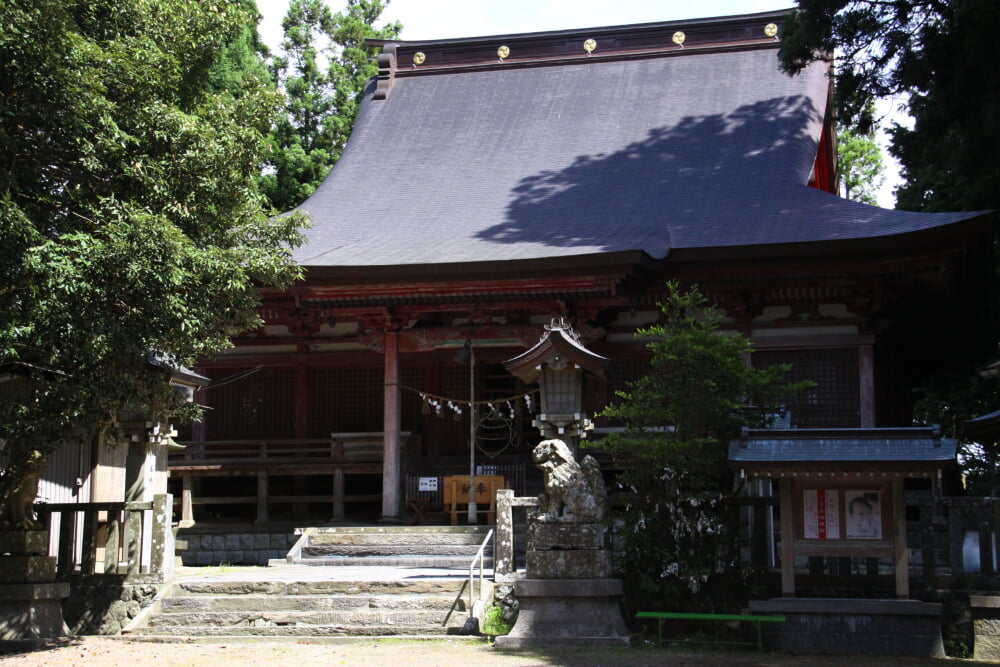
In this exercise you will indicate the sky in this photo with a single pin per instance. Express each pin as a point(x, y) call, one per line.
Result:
point(443, 19)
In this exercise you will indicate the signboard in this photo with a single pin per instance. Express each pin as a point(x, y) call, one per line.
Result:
point(864, 514)
point(843, 512)
point(821, 514)
point(428, 484)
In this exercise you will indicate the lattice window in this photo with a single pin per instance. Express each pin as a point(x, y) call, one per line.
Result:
point(345, 400)
point(258, 405)
point(412, 404)
point(835, 401)
point(498, 383)
point(454, 434)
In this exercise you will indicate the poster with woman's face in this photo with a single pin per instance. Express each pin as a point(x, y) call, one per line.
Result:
point(864, 515)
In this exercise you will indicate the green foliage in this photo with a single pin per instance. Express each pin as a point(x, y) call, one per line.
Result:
point(678, 419)
point(859, 163)
point(950, 400)
point(323, 69)
point(130, 216)
point(496, 621)
point(937, 56)
point(241, 59)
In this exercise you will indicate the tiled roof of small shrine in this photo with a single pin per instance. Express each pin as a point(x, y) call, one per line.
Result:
point(790, 447)
point(531, 147)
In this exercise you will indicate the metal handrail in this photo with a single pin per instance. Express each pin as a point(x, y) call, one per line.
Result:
point(472, 565)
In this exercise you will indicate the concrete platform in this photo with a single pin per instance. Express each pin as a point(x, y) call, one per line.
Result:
point(841, 626)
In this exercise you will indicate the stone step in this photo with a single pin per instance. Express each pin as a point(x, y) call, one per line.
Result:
point(388, 530)
point(444, 562)
point(360, 550)
point(411, 618)
point(307, 603)
point(297, 631)
point(408, 538)
point(297, 588)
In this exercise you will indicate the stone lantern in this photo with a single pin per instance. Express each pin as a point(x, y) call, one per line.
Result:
point(558, 363)
point(567, 595)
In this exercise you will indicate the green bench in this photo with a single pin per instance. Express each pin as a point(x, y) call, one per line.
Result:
point(662, 616)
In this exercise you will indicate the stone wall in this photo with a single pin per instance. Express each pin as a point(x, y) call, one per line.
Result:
point(198, 549)
point(103, 604)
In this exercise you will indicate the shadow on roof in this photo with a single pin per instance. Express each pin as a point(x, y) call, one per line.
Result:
point(698, 182)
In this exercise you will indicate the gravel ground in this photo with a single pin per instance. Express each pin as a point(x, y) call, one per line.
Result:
point(95, 651)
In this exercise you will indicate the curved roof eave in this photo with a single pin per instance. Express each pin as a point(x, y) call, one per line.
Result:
point(588, 164)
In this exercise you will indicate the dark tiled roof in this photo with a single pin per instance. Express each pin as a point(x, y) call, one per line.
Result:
point(665, 149)
point(836, 446)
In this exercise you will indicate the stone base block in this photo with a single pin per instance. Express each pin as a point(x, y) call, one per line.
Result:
point(27, 569)
point(32, 611)
point(24, 542)
point(591, 564)
point(845, 626)
point(573, 612)
point(986, 625)
point(543, 536)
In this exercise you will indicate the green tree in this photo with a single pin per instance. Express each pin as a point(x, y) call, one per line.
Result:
point(242, 58)
point(130, 218)
point(859, 163)
point(936, 55)
point(678, 419)
point(950, 400)
point(322, 69)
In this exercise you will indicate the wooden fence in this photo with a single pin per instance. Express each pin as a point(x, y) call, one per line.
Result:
point(952, 540)
point(111, 538)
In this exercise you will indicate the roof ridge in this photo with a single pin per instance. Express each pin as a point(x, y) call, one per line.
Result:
point(644, 40)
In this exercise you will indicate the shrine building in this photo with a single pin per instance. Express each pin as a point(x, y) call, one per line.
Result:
point(492, 184)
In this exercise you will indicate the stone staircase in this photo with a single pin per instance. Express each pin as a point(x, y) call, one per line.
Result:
point(310, 609)
point(381, 581)
point(389, 546)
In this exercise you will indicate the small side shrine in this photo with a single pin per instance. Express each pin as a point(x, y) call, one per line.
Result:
point(841, 495)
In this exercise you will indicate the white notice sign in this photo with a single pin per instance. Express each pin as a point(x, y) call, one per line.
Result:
point(821, 513)
point(428, 484)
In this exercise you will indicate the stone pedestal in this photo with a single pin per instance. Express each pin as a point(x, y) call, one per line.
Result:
point(567, 597)
point(567, 612)
point(846, 626)
point(567, 551)
point(30, 601)
point(986, 624)
point(31, 613)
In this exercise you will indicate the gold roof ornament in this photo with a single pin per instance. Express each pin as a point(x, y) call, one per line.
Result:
point(419, 58)
point(503, 51)
point(589, 46)
point(679, 38)
point(771, 30)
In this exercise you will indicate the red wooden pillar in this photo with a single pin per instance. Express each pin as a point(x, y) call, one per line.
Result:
point(391, 426)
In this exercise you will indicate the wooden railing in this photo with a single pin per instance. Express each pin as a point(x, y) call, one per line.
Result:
point(339, 455)
point(290, 454)
point(108, 538)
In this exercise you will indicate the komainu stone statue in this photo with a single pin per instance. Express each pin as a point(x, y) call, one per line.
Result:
point(574, 493)
point(18, 488)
